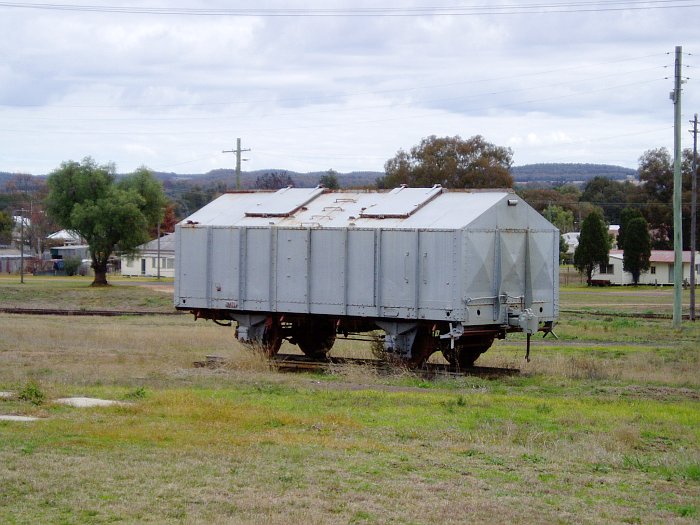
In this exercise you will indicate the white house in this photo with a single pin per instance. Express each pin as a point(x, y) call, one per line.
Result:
point(67, 237)
point(571, 239)
point(660, 270)
point(145, 264)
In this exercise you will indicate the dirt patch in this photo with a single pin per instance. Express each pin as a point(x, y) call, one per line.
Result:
point(659, 393)
point(87, 402)
point(162, 288)
point(18, 418)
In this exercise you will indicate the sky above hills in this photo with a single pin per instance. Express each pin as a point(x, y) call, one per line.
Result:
point(338, 84)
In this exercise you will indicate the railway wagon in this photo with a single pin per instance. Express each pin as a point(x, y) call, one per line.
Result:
point(437, 270)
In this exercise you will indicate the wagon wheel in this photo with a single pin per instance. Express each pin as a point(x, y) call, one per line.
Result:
point(272, 337)
point(467, 349)
point(424, 345)
point(315, 338)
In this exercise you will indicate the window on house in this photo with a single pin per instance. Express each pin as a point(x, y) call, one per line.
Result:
point(154, 262)
point(607, 268)
point(170, 264)
point(653, 270)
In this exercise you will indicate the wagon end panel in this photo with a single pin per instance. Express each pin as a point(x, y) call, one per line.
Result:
point(543, 255)
point(479, 281)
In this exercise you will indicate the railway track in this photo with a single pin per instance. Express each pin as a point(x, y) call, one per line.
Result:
point(99, 313)
point(605, 313)
point(300, 363)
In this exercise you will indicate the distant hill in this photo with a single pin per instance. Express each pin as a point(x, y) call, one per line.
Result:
point(226, 178)
point(248, 178)
point(4, 177)
point(569, 172)
point(556, 173)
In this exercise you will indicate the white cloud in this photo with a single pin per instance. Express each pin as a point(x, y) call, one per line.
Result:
point(347, 93)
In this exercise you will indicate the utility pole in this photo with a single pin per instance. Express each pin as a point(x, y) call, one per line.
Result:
point(677, 195)
point(21, 212)
point(238, 152)
point(693, 215)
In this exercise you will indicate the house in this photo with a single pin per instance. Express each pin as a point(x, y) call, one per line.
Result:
point(74, 251)
point(660, 271)
point(11, 260)
point(614, 233)
point(67, 237)
point(571, 240)
point(145, 264)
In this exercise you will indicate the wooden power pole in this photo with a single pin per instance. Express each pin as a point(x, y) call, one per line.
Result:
point(693, 215)
point(238, 152)
point(677, 195)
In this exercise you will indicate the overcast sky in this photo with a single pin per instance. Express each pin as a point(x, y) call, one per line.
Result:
point(337, 84)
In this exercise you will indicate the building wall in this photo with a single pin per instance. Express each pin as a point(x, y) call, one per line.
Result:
point(659, 273)
point(146, 265)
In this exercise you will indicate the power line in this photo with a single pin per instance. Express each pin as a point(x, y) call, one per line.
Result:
point(346, 12)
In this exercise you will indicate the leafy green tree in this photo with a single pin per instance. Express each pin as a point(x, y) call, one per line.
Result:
point(84, 197)
point(6, 226)
point(452, 162)
point(593, 245)
point(561, 218)
point(656, 172)
point(143, 183)
point(563, 250)
point(626, 216)
point(329, 180)
point(610, 195)
point(637, 248)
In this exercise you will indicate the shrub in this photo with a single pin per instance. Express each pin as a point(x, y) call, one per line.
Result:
point(71, 265)
point(32, 393)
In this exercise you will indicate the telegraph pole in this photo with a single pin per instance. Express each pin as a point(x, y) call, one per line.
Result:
point(238, 152)
point(693, 215)
point(21, 211)
point(677, 194)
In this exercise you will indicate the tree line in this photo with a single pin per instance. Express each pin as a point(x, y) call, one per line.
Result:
point(87, 197)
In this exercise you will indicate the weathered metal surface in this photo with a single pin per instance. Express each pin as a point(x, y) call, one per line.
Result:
point(422, 254)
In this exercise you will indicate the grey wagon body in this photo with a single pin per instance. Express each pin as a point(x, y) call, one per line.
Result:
point(465, 261)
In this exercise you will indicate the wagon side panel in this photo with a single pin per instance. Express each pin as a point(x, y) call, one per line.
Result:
point(437, 276)
point(258, 269)
point(192, 248)
point(225, 267)
point(362, 278)
point(327, 271)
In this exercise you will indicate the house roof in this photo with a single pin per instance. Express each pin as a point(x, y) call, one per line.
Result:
point(660, 256)
point(167, 244)
point(65, 235)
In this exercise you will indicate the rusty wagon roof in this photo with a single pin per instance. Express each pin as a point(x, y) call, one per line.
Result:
point(435, 208)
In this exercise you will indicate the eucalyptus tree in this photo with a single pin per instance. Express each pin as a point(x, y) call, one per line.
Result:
point(86, 198)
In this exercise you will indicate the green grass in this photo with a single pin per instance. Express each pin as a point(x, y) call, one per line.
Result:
point(280, 450)
point(75, 293)
point(603, 426)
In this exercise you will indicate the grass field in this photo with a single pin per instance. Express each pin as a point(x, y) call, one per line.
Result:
point(603, 426)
